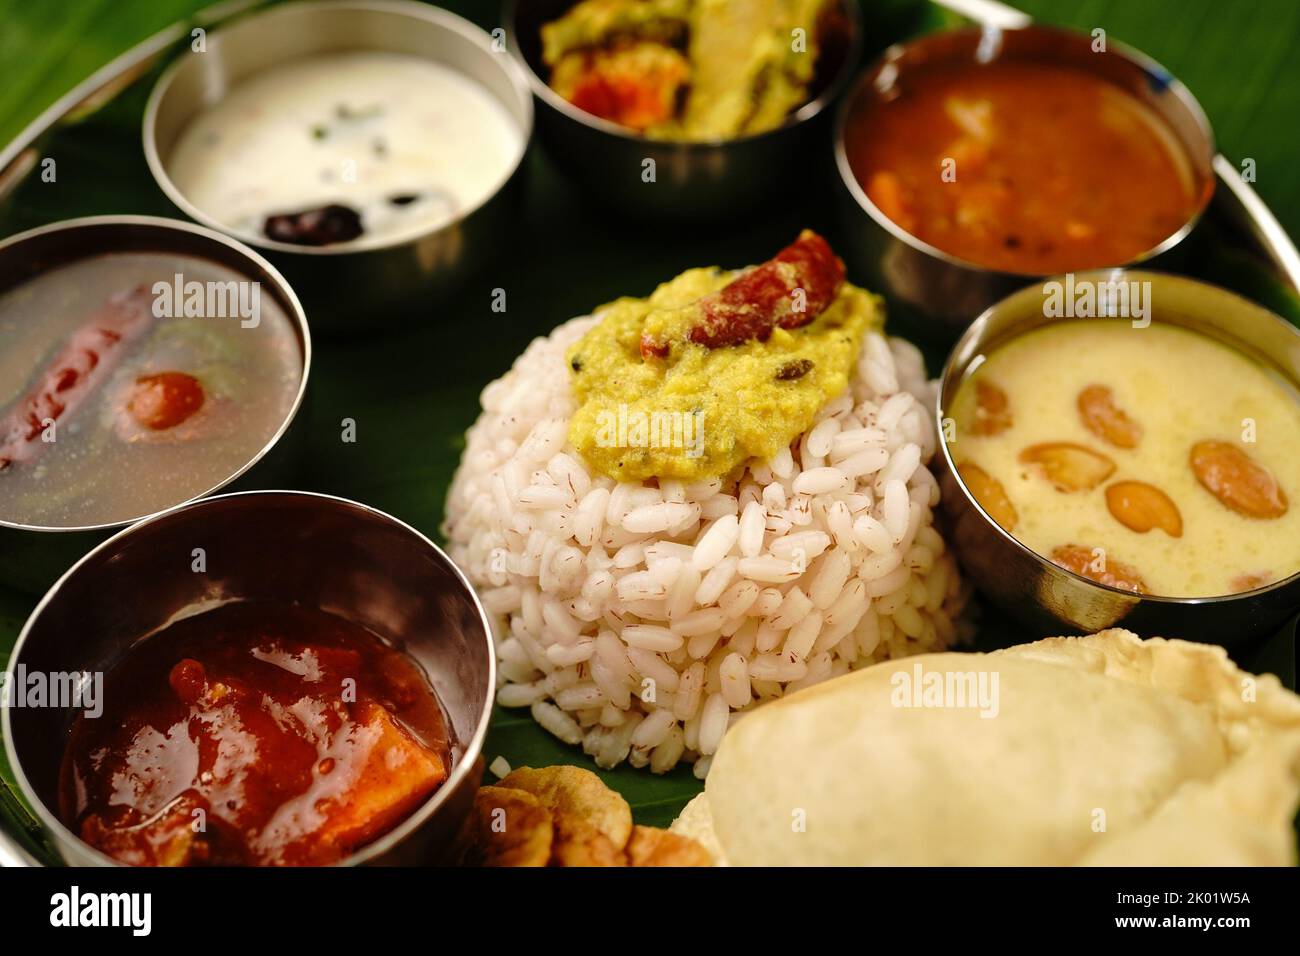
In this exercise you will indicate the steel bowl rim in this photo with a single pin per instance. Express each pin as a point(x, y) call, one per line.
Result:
point(1127, 52)
point(296, 314)
point(952, 371)
point(793, 119)
point(435, 15)
point(472, 748)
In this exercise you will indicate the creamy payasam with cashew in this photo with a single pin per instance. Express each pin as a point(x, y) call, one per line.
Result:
point(1156, 460)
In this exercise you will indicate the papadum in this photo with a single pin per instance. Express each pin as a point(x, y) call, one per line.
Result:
point(1069, 751)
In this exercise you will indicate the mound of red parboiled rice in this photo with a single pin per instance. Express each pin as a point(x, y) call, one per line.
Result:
point(641, 621)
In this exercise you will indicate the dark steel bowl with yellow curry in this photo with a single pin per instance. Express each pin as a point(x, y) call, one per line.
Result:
point(681, 109)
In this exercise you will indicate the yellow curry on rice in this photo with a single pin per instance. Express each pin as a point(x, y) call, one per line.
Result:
point(716, 367)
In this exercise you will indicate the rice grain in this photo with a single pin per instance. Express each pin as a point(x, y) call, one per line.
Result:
point(639, 620)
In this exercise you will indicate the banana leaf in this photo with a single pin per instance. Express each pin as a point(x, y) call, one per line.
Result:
point(414, 392)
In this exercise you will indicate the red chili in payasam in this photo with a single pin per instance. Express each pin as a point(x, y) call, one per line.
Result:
point(254, 734)
point(1022, 166)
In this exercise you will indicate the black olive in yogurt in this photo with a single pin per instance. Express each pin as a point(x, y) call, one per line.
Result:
point(339, 147)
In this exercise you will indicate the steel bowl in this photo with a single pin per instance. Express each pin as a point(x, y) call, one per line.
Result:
point(356, 286)
point(934, 295)
point(282, 546)
point(32, 556)
point(694, 181)
point(1045, 597)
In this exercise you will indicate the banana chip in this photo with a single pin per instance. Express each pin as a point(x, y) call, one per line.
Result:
point(579, 792)
point(564, 816)
point(652, 847)
point(505, 828)
point(579, 843)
